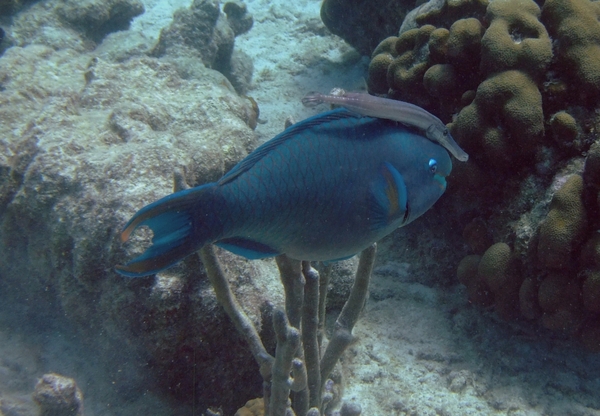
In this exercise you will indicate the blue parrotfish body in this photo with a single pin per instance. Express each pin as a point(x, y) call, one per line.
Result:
point(324, 189)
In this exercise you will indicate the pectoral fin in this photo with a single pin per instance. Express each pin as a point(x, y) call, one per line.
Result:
point(389, 198)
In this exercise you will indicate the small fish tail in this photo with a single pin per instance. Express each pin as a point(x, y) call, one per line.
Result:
point(177, 232)
point(312, 99)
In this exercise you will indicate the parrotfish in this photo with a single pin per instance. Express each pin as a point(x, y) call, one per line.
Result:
point(324, 189)
point(406, 113)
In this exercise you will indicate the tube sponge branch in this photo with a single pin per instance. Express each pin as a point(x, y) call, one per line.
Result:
point(299, 366)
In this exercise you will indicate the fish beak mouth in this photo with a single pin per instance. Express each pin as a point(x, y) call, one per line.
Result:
point(440, 180)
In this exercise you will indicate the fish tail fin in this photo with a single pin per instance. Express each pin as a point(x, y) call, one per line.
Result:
point(174, 220)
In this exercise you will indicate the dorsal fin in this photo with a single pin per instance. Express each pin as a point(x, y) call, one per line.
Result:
point(290, 132)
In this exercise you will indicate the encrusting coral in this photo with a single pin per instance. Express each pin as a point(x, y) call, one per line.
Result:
point(203, 31)
point(97, 19)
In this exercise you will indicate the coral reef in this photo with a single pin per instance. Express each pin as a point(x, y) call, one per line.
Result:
point(556, 279)
point(434, 40)
point(429, 62)
point(551, 278)
point(492, 279)
point(238, 17)
point(199, 35)
point(87, 138)
point(525, 110)
point(406, 72)
point(566, 132)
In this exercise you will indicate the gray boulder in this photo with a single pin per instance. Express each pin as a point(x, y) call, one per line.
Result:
point(203, 31)
point(84, 144)
point(96, 18)
point(73, 24)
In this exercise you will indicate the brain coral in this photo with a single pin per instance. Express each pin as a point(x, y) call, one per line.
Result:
point(504, 121)
point(565, 132)
point(565, 226)
point(378, 68)
point(499, 270)
point(515, 38)
point(575, 27)
point(455, 54)
point(464, 42)
point(440, 67)
point(493, 278)
point(405, 73)
point(494, 266)
point(519, 86)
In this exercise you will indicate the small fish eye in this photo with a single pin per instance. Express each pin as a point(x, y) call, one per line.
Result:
point(445, 132)
point(432, 165)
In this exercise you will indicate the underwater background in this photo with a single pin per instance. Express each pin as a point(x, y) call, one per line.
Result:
point(488, 304)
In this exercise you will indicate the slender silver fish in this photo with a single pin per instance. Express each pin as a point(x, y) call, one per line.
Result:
point(406, 113)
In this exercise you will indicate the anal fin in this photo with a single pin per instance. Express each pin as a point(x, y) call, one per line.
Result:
point(247, 248)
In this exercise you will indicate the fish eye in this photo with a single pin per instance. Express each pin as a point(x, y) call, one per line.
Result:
point(432, 165)
point(445, 132)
